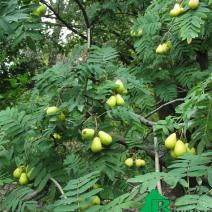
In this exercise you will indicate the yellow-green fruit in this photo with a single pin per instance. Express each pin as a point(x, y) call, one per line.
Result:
point(171, 141)
point(193, 4)
point(132, 33)
point(61, 117)
point(88, 133)
point(190, 150)
point(139, 32)
point(179, 148)
point(172, 154)
point(17, 172)
point(41, 10)
point(96, 200)
point(95, 186)
point(52, 110)
point(120, 89)
point(57, 136)
point(23, 180)
point(139, 162)
point(129, 162)
point(111, 102)
point(159, 49)
point(119, 100)
point(96, 145)
point(105, 138)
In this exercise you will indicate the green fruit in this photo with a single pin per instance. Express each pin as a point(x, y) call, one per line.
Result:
point(179, 148)
point(132, 33)
point(139, 162)
point(120, 89)
point(96, 200)
point(29, 173)
point(111, 102)
point(105, 138)
point(119, 100)
point(96, 145)
point(193, 4)
point(159, 49)
point(41, 10)
point(57, 136)
point(95, 186)
point(88, 133)
point(172, 154)
point(23, 180)
point(190, 150)
point(171, 141)
point(61, 117)
point(139, 32)
point(17, 172)
point(129, 162)
point(52, 110)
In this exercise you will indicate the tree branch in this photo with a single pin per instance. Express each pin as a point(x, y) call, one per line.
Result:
point(69, 26)
point(58, 187)
point(87, 22)
point(168, 103)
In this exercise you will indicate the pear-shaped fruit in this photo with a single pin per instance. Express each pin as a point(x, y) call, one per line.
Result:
point(179, 148)
point(190, 150)
point(52, 110)
point(96, 145)
point(119, 100)
point(96, 200)
point(105, 138)
point(139, 162)
point(41, 10)
point(57, 136)
point(159, 49)
point(193, 4)
point(111, 102)
point(23, 180)
point(61, 117)
point(88, 133)
point(129, 162)
point(120, 89)
point(172, 154)
point(171, 141)
point(17, 172)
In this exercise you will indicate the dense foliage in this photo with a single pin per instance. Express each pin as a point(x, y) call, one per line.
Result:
point(164, 63)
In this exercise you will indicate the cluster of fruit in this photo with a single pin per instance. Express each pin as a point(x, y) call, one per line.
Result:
point(178, 9)
point(51, 111)
point(138, 162)
point(178, 147)
point(117, 99)
point(22, 175)
point(163, 48)
point(103, 138)
point(136, 33)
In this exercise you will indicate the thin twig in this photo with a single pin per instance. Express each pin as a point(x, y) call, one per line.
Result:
point(59, 187)
point(69, 26)
point(157, 164)
point(167, 103)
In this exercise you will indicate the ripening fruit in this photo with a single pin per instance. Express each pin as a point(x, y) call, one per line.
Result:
point(96, 145)
point(105, 138)
point(132, 33)
point(190, 150)
point(129, 162)
point(139, 162)
point(23, 180)
point(139, 32)
point(95, 186)
point(179, 148)
point(61, 117)
point(193, 4)
point(119, 100)
point(17, 172)
point(88, 133)
point(159, 49)
point(120, 89)
point(172, 154)
point(57, 136)
point(176, 10)
point(52, 110)
point(96, 200)
point(41, 10)
point(111, 102)
point(171, 141)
